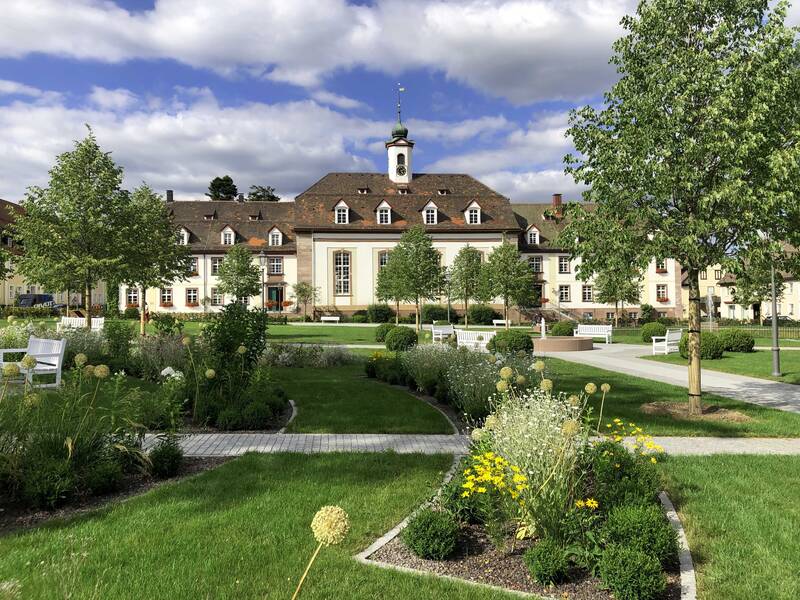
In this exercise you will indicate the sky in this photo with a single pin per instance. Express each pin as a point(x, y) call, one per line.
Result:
point(281, 92)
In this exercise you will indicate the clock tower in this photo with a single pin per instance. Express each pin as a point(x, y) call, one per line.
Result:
point(399, 149)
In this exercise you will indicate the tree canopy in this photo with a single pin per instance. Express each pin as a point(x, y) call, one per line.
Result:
point(222, 188)
point(260, 193)
point(238, 275)
point(510, 278)
point(466, 277)
point(418, 271)
point(305, 293)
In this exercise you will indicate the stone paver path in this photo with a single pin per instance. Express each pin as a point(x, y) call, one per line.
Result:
point(703, 446)
point(624, 358)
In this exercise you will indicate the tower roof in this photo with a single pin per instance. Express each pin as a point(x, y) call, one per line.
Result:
point(399, 130)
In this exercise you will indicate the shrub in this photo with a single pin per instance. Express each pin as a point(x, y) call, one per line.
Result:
point(162, 409)
point(131, 313)
point(511, 340)
point(547, 561)
point(427, 365)
point(359, 318)
point(166, 324)
point(407, 319)
point(83, 341)
point(631, 574)
point(711, 347)
point(166, 458)
point(400, 339)
point(152, 354)
point(433, 312)
point(118, 336)
point(468, 509)
point(481, 314)
point(307, 355)
point(647, 313)
point(737, 340)
point(563, 328)
point(103, 476)
point(387, 368)
point(48, 481)
point(431, 534)
point(621, 477)
point(667, 321)
point(652, 329)
point(379, 313)
point(645, 528)
point(381, 331)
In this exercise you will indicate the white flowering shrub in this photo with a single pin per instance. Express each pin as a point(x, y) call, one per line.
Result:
point(543, 434)
point(427, 366)
point(306, 355)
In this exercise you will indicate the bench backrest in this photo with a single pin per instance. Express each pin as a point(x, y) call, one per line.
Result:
point(442, 328)
point(40, 346)
point(584, 328)
point(78, 322)
point(472, 336)
point(674, 335)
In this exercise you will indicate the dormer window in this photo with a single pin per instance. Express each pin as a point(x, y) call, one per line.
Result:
point(473, 214)
point(275, 237)
point(183, 237)
point(363, 190)
point(208, 217)
point(342, 214)
point(430, 214)
point(533, 237)
point(255, 217)
point(384, 212)
point(443, 191)
point(227, 237)
point(403, 191)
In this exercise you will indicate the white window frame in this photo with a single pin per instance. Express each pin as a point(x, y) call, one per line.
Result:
point(587, 297)
point(564, 266)
point(383, 259)
point(194, 267)
point(473, 216)
point(342, 274)
point(431, 216)
point(564, 293)
point(217, 297)
point(659, 296)
point(533, 237)
point(216, 262)
point(275, 265)
point(536, 264)
point(228, 237)
point(384, 215)
point(192, 292)
point(131, 296)
point(183, 237)
point(342, 214)
point(165, 296)
point(275, 238)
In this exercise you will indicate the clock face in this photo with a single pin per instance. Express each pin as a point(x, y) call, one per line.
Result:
point(401, 170)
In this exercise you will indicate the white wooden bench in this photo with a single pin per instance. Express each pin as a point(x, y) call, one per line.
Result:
point(593, 331)
point(664, 344)
point(476, 340)
point(49, 355)
point(329, 319)
point(500, 322)
point(440, 332)
point(80, 322)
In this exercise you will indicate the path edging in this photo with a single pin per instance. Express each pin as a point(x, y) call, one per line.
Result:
point(291, 417)
point(688, 577)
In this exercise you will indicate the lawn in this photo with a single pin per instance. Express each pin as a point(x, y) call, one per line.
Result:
point(754, 364)
point(344, 400)
point(628, 393)
point(239, 531)
point(322, 334)
point(742, 519)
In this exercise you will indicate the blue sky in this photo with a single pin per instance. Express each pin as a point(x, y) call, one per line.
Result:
point(278, 92)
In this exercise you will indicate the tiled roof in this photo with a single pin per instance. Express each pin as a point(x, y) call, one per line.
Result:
point(549, 228)
point(315, 206)
point(7, 211)
point(205, 234)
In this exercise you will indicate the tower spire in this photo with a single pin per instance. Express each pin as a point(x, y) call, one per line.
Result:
point(399, 130)
point(400, 88)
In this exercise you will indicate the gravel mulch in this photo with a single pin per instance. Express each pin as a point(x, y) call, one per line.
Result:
point(477, 560)
point(15, 516)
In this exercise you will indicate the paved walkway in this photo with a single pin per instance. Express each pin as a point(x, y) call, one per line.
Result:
point(624, 358)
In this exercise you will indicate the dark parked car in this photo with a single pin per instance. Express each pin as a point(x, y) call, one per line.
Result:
point(30, 300)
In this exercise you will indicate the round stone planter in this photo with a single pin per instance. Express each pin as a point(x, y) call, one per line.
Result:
point(565, 343)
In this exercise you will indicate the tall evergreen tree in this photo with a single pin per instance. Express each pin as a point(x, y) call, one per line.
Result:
point(260, 193)
point(222, 188)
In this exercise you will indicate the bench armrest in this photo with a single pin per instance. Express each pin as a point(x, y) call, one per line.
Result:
point(4, 351)
point(662, 338)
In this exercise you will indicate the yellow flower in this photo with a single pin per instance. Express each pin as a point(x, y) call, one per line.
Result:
point(590, 388)
point(592, 503)
point(605, 388)
point(481, 490)
point(11, 318)
point(241, 350)
point(101, 371)
point(186, 341)
point(521, 380)
point(88, 371)
point(653, 459)
point(502, 386)
point(574, 400)
point(10, 370)
point(570, 427)
point(506, 373)
point(210, 373)
point(580, 503)
point(28, 362)
point(80, 359)
point(538, 366)
point(546, 385)
point(330, 525)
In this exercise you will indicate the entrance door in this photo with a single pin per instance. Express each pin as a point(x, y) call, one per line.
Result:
point(274, 298)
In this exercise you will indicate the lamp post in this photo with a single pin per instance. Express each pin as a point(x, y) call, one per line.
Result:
point(776, 351)
point(262, 260)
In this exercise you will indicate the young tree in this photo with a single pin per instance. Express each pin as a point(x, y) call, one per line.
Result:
point(305, 293)
point(419, 270)
point(222, 188)
point(238, 274)
point(510, 278)
point(389, 287)
point(260, 193)
point(465, 277)
point(154, 259)
point(76, 231)
point(618, 286)
point(696, 147)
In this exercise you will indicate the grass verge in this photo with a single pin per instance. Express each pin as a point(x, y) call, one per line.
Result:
point(753, 364)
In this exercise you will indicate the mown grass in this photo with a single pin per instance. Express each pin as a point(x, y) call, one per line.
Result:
point(753, 364)
point(629, 393)
point(344, 400)
point(239, 531)
point(742, 519)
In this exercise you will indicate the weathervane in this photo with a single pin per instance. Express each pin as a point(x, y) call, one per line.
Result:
point(400, 88)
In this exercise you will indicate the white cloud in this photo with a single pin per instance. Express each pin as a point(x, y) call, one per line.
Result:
point(324, 97)
point(118, 99)
point(523, 50)
point(14, 88)
point(533, 186)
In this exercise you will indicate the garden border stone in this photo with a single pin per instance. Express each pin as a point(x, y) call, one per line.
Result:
point(688, 578)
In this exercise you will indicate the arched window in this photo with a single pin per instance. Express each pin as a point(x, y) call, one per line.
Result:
point(401, 159)
point(341, 270)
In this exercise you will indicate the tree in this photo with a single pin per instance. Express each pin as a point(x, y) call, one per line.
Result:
point(238, 274)
point(222, 188)
point(260, 193)
point(154, 259)
point(696, 146)
point(465, 277)
point(390, 286)
point(76, 231)
point(419, 272)
point(510, 278)
point(304, 293)
point(618, 286)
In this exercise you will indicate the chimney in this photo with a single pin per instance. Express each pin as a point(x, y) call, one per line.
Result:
point(557, 204)
point(240, 198)
point(169, 196)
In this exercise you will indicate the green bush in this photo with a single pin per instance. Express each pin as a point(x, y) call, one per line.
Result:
point(379, 313)
point(433, 312)
point(631, 574)
point(386, 367)
point(565, 328)
point(511, 340)
point(481, 314)
point(256, 407)
point(427, 366)
point(737, 340)
point(131, 313)
point(711, 347)
point(166, 324)
point(381, 331)
point(166, 458)
point(652, 329)
point(48, 481)
point(83, 341)
point(103, 476)
point(620, 477)
point(400, 339)
point(647, 313)
point(431, 534)
point(547, 561)
point(118, 337)
point(359, 318)
point(645, 528)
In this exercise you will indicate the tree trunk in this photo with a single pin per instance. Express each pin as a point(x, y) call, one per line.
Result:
point(305, 311)
point(616, 314)
point(416, 315)
point(87, 302)
point(695, 407)
point(505, 311)
point(466, 312)
point(142, 304)
point(397, 312)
